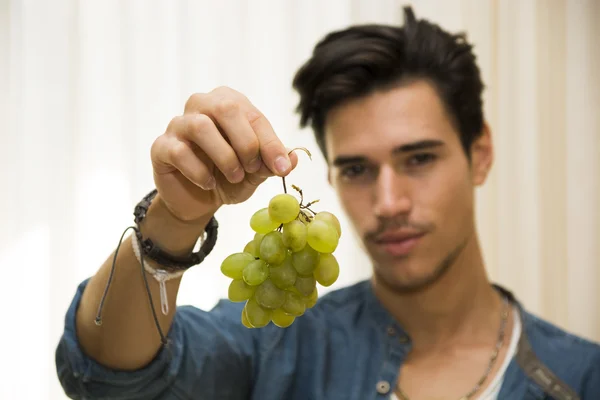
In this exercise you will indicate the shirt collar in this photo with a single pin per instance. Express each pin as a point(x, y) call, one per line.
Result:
point(384, 320)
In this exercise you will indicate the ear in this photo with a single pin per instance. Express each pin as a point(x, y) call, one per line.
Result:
point(482, 156)
point(329, 176)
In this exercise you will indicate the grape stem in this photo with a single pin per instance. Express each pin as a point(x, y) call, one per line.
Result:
point(290, 152)
point(297, 189)
point(311, 203)
point(305, 215)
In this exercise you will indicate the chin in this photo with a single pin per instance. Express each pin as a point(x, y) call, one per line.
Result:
point(403, 281)
point(414, 272)
point(409, 274)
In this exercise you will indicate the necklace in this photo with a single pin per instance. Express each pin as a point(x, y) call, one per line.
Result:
point(493, 358)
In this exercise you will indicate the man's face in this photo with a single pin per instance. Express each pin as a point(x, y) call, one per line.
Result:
point(404, 180)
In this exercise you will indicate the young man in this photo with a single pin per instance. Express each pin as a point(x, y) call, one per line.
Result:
point(397, 113)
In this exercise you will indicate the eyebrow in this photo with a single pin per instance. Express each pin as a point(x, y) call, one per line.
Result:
point(420, 145)
point(405, 148)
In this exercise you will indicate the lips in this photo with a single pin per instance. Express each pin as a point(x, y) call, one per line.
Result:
point(398, 244)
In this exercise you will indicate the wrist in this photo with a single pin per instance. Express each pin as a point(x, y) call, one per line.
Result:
point(204, 217)
point(172, 234)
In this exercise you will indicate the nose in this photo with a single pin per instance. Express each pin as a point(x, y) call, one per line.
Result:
point(391, 194)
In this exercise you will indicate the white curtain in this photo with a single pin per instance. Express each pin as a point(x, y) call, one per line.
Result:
point(85, 87)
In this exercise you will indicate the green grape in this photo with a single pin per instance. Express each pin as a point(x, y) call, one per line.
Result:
point(305, 261)
point(234, 264)
point(305, 284)
point(283, 208)
point(311, 299)
point(251, 248)
point(284, 274)
point(256, 272)
point(294, 235)
point(269, 296)
point(294, 304)
point(330, 219)
point(293, 290)
point(322, 236)
point(272, 249)
point(278, 270)
point(260, 222)
point(240, 291)
point(258, 237)
point(328, 270)
point(257, 316)
point(245, 321)
point(281, 319)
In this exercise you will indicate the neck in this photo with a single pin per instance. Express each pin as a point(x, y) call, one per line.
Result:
point(460, 304)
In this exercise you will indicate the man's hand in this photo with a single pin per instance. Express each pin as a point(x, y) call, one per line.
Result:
point(216, 153)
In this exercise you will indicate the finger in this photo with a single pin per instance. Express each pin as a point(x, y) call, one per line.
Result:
point(174, 152)
point(272, 151)
point(293, 158)
point(266, 172)
point(224, 106)
point(201, 130)
point(196, 103)
point(229, 116)
point(256, 179)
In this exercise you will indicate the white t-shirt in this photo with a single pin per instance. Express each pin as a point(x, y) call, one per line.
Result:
point(493, 390)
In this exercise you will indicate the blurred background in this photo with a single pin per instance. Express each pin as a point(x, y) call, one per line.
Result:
point(86, 86)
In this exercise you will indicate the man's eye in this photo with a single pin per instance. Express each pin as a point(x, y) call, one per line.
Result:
point(421, 159)
point(353, 171)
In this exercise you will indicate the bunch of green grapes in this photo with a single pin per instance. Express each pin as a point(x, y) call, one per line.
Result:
point(278, 271)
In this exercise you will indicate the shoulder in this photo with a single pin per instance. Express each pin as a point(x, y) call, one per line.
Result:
point(572, 358)
point(547, 338)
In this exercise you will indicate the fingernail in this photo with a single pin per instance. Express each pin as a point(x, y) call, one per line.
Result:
point(210, 184)
point(254, 165)
point(282, 164)
point(237, 174)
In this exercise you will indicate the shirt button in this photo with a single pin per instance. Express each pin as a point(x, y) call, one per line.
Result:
point(391, 331)
point(383, 387)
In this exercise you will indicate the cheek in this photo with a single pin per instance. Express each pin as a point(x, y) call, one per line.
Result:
point(356, 205)
point(446, 201)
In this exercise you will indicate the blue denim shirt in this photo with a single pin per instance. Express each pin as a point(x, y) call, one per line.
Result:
point(347, 347)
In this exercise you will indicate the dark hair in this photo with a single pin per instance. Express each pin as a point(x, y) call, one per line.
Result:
point(359, 60)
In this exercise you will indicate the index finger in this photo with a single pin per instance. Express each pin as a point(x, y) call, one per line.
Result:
point(272, 151)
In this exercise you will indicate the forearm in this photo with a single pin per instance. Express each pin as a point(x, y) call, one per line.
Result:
point(128, 338)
